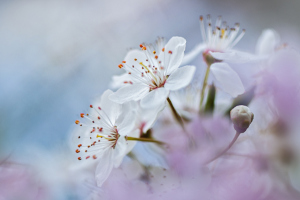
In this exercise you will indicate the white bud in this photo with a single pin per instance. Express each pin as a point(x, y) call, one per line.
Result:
point(241, 117)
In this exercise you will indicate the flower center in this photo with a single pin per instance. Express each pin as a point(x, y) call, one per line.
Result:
point(221, 37)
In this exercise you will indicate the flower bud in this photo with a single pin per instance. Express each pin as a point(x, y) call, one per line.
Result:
point(241, 117)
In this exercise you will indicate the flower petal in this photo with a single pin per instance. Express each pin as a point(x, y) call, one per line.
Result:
point(120, 151)
point(119, 80)
point(155, 98)
point(104, 166)
point(267, 42)
point(227, 79)
point(126, 120)
point(236, 56)
point(176, 47)
point(149, 116)
point(190, 56)
point(130, 92)
point(112, 109)
point(180, 78)
point(130, 144)
point(133, 57)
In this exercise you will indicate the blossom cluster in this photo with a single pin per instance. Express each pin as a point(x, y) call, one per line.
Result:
point(170, 132)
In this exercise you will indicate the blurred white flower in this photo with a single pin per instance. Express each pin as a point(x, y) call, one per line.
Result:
point(154, 74)
point(217, 50)
point(267, 42)
point(108, 125)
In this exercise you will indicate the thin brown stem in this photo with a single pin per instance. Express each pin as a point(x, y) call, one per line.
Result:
point(237, 134)
point(175, 113)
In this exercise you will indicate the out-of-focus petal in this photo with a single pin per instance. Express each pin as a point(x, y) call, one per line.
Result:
point(233, 56)
point(227, 79)
point(120, 80)
point(174, 52)
point(267, 42)
point(130, 92)
point(111, 108)
point(149, 116)
point(104, 167)
point(155, 98)
point(180, 78)
point(133, 57)
point(126, 121)
point(190, 56)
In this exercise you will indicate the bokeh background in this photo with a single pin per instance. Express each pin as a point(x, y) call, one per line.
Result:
point(57, 56)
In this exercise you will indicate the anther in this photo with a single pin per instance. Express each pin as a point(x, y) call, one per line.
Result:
point(144, 48)
point(123, 61)
point(91, 106)
point(170, 52)
point(77, 151)
point(120, 66)
point(82, 115)
point(79, 145)
point(79, 158)
point(154, 52)
point(94, 156)
point(163, 49)
point(141, 45)
point(77, 122)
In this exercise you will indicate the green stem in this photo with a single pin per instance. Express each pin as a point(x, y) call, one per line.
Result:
point(210, 102)
point(204, 85)
point(175, 113)
point(144, 140)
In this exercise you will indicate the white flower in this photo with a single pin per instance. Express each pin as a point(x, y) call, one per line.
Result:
point(218, 43)
point(108, 125)
point(123, 79)
point(267, 42)
point(154, 74)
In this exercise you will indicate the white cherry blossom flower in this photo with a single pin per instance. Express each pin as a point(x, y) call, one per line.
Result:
point(123, 79)
point(104, 137)
point(154, 74)
point(217, 45)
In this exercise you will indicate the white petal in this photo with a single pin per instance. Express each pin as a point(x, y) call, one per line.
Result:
point(131, 144)
point(126, 121)
point(227, 79)
point(180, 78)
point(139, 55)
point(173, 61)
point(155, 98)
point(190, 56)
point(120, 151)
point(112, 109)
point(130, 92)
point(104, 166)
point(267, 42)
point(118, 81)
point(149, 116)
point(236, 56)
